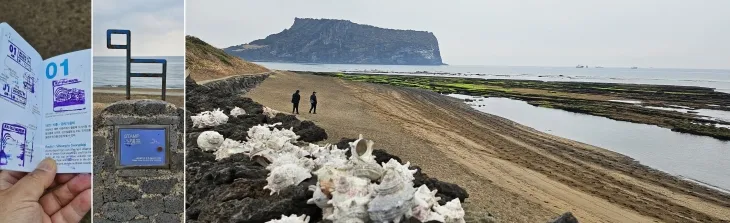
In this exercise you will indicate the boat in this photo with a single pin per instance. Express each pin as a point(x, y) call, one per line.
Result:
point(579, 66)
point(634, 68)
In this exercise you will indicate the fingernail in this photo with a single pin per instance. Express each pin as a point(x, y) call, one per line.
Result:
point(47, 164)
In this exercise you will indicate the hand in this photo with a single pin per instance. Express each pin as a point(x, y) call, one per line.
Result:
point(24, 198)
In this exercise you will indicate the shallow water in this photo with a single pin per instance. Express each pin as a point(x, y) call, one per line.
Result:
point(627, 101)
point(699, 158)
point(718, 79)
point(710, 113)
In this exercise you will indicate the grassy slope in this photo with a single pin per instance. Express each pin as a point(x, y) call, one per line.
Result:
point(206, 62)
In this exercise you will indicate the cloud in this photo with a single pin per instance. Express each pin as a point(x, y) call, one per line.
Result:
point(157, 26)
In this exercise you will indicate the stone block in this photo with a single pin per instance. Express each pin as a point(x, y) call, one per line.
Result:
point(167, 218)
point(116, 211)
point(174, 204)
point(150, 206)
point(158, 186)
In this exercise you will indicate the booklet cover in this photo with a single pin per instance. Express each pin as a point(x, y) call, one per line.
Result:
point(45, 107)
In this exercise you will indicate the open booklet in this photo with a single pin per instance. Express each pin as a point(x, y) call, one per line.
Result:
point(45, 107)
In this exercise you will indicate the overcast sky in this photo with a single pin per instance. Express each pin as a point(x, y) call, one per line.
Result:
point(617, 33)
point(157, 26)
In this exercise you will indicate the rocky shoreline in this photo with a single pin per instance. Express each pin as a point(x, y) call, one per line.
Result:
point(597, 99)
point(232, 189)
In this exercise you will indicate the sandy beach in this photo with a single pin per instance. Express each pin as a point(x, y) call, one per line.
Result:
point(514, 172)
point(107, 95)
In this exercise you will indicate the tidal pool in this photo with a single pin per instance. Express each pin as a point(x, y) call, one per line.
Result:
point(699, 158)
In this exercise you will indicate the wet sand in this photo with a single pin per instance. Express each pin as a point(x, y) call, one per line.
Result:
point(514, 172)
point(104, 96)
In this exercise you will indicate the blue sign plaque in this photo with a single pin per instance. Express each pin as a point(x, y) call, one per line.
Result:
point(142, 146)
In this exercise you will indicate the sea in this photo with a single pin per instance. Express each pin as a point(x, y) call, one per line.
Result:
point(111, 72)
point(711, 78)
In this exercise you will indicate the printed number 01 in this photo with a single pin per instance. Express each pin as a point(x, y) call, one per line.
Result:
point(52, 66)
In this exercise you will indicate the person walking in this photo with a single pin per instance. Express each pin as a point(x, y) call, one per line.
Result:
point(313, 101)
point(295, 101)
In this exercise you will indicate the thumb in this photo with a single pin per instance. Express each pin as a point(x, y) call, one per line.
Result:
point(33, 185)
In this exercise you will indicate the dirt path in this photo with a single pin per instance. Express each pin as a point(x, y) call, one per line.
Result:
point(514, 172)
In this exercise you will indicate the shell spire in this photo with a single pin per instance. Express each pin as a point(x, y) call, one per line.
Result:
point(291, 219)
point(451, 211)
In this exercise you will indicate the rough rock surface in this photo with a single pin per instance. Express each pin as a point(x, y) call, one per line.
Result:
point(231, 190)
point(567, 217)
point(342, 42)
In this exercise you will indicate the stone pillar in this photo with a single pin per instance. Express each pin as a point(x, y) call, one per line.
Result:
point(138, 195)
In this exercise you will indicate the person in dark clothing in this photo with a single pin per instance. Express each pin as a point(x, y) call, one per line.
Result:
point(313, 101)
point(295, 101)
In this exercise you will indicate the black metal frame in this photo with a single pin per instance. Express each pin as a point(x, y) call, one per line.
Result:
point(128, 47)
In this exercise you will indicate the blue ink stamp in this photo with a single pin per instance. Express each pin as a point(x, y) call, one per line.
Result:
point(14, 94)
point(13, 139)
point(66, 95)
point(142, 146)
point(17, 55)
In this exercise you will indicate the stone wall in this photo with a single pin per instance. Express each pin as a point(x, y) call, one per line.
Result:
point(138, 195)
point(236, 85)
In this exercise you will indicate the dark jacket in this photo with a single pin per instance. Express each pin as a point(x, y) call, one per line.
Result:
point(313, 99)
point(295, 98)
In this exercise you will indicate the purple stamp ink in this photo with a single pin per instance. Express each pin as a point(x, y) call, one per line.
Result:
point(19, 56)
point(66, 95)
point(13, 139)
point(29, 82)
point(15, 94)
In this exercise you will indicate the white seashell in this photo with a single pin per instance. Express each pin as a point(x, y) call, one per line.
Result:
point(291, 219)
point(353, 210)
point(452, 211)
point(266, 143)
point(228, 148)
point(347, 187)
point(271, 113)
point(364, 165)
point(289, 158)
point(329, 173)
point(424, 200)
point(402, 169)
point(209, 118)
point(394, 199)
point(319, 198)
point(210, 140)
point(286, 175)
point(236, 111)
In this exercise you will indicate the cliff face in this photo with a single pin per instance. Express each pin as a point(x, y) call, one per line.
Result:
point(206, 62)
point(342, 42)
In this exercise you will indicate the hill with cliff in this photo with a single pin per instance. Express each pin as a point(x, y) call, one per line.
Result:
point(342, 42)
point(206, 62)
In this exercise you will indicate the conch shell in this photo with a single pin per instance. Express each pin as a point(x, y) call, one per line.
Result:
point(235, 112)
point(353, 210)
point(291, 219)
point(452, 211)
point(286, 175)
point(228, 148)
point(393, 200)
point(425, 199)
point(210, 140)
point(364, 165)
point(209, 118)
point(402, 169)
point(271, 113)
